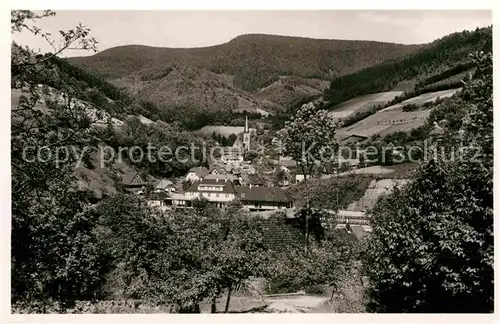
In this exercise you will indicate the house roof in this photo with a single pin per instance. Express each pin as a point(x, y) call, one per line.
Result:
point(269, 194)
point(200, 171)
point(219, 169)
point(230, 177)
point(279, 236)
point(349, 161)
point(232, 150)
point(254, 179)
point(354, 136)
point(164, 183)
point(227, 186)
point(238, 143)
point(176, 196)
point(287, 162)
point(330, 168)
point(158, 196)
point(133, 178)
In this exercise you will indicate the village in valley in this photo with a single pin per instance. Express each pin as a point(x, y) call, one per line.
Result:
point(260, 188)
point(314, 175)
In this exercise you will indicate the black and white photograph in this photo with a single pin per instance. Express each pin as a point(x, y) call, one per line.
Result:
point(250, 161)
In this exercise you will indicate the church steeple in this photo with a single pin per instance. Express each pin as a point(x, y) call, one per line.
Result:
point(246, 136)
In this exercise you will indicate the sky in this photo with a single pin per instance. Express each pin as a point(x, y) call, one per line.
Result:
point(207, 28)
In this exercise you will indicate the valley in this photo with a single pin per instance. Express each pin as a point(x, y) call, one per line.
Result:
point(174, 180)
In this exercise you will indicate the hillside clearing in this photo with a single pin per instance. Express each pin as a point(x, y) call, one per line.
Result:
point(423, 98)
point(393, 119)
point(362, 103)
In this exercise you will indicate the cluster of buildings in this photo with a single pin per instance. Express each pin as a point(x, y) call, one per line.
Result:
point(220, 189)
point(230, 178)
point(224, 189)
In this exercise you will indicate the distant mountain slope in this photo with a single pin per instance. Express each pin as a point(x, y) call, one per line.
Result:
point(254, 60)
point(183, 86)
point(288, 90)
point(440, 60)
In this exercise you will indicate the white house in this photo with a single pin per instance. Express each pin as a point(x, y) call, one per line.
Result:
point(285, 180)
point(222, 189)
point(196, 174)
point(219, 191)
point(157, 199)
point(232, 155)
point(165, 185)
point(222, 177)
point(177, 200)
point(217, 170)
point(300, 177)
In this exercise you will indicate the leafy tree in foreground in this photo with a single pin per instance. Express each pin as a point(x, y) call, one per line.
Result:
point(182, 257)
point(431, 249)
point(55, 259)
point(323, 264)
point(309, 138)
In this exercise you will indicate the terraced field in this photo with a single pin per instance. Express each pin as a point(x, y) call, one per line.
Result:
point(385, 122)
point(394, 119)
point(423, 98)
point(362, 103)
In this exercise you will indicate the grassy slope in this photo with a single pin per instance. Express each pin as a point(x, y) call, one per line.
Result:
point(377, 123)
point(362, 103)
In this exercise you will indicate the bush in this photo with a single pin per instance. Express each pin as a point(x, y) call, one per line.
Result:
point(315, 290)
point(431, 248)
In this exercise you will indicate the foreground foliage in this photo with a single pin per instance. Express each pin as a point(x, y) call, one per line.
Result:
point(432, 243)
point(182, 257)
point(55, 258)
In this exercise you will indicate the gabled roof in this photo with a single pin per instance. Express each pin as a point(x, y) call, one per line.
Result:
point(133, 178)
point(158, 196)
point(329, 168)
point(220, 170)
point(238, 143)
point(221, 177)
point(164, 183)
point(354, 136)
point(200, 171)
point(269, 194)
point(227, 186)
point(232, 150)
point(287, 162)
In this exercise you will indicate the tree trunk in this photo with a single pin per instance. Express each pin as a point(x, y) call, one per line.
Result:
point(306, 234)
point(193, 309)
point(307, 226)
point(214, 306)
point(228, 299)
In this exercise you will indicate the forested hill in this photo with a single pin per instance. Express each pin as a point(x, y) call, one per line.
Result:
point(254, 60)
point(439, 61)
point(96, 90)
